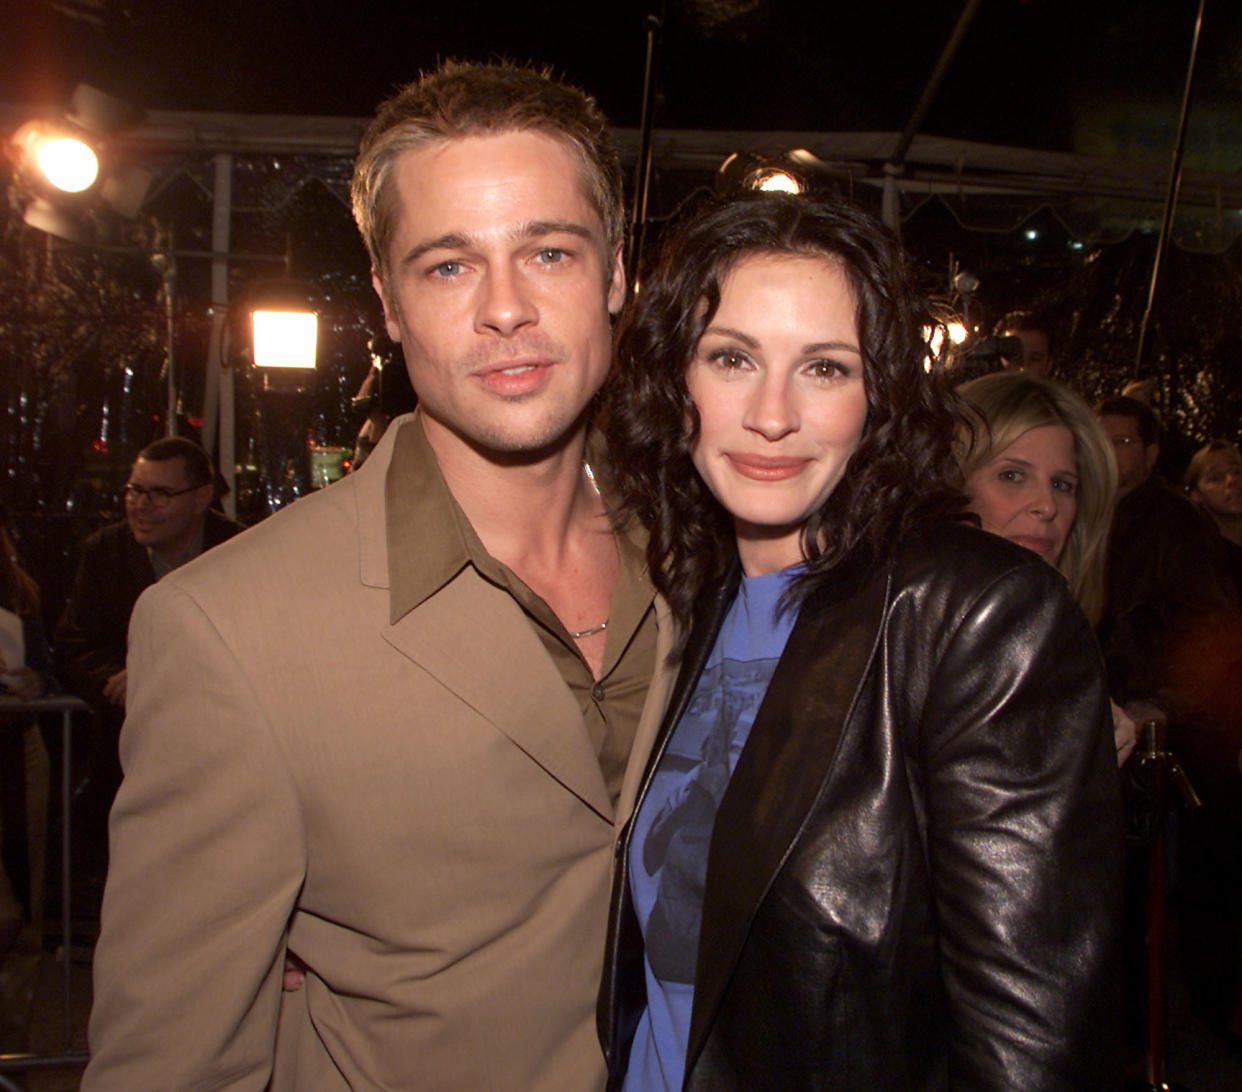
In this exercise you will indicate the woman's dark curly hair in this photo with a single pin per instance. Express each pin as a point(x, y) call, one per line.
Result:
point(903, 472)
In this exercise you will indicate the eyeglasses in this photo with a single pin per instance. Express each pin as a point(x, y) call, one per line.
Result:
point(157, 496)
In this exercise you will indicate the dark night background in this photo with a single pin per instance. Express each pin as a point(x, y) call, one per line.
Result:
point(1031, 72)
point(82, 330)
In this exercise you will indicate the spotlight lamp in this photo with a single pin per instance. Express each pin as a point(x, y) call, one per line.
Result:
point(55, 169)
point(943, 336)
point(65, 166)
point(755, 171)
point(284, 332)
point(775, 180)
point(284, 339)
point(64, 160)
point(786, 170)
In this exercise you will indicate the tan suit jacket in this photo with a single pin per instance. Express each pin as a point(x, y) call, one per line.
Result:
point(415, 808)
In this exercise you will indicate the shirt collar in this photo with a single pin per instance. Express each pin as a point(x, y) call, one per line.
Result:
point(429, 538)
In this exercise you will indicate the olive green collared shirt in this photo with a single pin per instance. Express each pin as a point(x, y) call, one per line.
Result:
point(430, 541)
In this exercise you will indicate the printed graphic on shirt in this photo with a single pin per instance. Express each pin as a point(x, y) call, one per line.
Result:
point(698, 763)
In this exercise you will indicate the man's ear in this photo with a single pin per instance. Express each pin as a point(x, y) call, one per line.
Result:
point(390, 310)
point(616, 283)
point(1150, 455)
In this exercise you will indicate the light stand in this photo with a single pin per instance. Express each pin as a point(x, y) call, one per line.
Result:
point(1161, 768)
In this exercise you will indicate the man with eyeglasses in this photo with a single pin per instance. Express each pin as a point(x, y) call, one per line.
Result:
point(167, 522)
point(1166, 569)
point(1168, 591)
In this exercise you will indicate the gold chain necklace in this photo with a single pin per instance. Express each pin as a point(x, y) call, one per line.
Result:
point(577, 635)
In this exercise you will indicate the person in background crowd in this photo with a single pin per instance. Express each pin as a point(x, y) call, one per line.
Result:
point(1175, 448)
point(1167, 576)
point(385, 394)
point(1039, 471)
point(1214, 482)
point(879, 842)
point(1033, 331)
point(1171, 659)
point(168, 521)
point(389, 729)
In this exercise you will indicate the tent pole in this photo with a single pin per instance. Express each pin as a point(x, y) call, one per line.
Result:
point(1170, 203)
point(891, 209)
point(654, 25)
point(217, 362)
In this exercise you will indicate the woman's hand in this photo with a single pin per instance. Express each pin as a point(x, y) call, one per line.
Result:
point(1125, 732)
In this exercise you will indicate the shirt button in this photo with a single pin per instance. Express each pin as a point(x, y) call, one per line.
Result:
point(597, 691)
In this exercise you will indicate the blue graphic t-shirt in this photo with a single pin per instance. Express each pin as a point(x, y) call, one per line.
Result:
point(673, 828)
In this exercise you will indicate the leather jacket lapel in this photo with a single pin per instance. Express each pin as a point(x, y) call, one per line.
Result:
point(781, 773)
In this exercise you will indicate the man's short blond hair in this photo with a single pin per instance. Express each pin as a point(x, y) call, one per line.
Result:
point(468, 99)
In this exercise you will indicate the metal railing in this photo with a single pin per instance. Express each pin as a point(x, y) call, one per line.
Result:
point(14, 712)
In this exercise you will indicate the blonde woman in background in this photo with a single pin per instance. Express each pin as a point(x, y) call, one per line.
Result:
point(1040, 472)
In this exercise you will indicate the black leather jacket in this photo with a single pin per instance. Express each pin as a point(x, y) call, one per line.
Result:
point(914, 878)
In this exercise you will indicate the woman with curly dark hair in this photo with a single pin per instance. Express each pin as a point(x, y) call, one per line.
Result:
point(873, 846)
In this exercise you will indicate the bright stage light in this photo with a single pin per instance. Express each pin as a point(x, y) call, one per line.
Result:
point(776, 181)
point(67, 167)
point(54, 154)
point(285, 339)
point(67, 163)
point(777, 172)
point(935, 337)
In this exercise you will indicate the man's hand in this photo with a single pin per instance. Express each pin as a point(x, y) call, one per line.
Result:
point(295, 973)
point(1125, 733)
point(114, 688)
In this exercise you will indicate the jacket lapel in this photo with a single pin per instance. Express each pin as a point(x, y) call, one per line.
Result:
point(781, 773)
point(508, 678)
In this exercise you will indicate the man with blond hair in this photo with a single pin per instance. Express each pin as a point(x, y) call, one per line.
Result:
point(405, 715)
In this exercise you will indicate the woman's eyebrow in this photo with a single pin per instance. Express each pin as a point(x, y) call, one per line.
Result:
point(728, 331)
